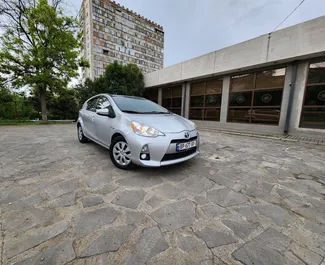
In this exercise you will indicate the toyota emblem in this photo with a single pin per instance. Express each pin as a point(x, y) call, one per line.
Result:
point(187, 135)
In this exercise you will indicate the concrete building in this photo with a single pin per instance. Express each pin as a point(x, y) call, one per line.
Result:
point(112, 32)
point(271, 84)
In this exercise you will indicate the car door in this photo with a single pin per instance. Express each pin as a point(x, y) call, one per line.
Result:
point(103, 123)
point(88, 118)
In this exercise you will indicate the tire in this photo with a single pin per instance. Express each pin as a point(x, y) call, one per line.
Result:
point(81, 137)
point(120, 153)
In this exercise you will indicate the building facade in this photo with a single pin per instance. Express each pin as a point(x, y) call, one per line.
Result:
point(271, 84)
point(112, 32)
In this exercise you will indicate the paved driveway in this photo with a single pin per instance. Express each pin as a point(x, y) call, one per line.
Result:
point(243, 201)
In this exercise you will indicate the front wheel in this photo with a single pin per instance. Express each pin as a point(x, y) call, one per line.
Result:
point(120, 153)
point(82, 138)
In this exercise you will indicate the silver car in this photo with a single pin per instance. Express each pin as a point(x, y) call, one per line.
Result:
point(137, 131)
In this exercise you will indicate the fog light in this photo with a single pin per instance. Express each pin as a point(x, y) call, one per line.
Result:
point(145, 149)
point(145, 154)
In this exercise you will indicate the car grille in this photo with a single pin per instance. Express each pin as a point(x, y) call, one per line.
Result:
point(178, 155)
point(178, 141)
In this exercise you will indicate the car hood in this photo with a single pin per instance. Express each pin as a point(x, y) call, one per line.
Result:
point(166, 123)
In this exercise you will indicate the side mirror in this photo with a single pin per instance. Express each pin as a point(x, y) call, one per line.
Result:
point(102, 112)
point(109, 112)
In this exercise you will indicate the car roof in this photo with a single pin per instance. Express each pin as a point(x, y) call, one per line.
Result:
point(125, 96)
point(122, 96)
point(114, 95)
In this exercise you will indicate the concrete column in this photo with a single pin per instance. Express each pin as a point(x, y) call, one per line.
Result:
point(285, 97)
point(160, 96)
point(224, 99)
point(298, 96)
point(187, 99)
point(183, 99)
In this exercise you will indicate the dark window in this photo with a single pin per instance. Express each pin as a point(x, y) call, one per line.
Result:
point(213, 100)
point(316, 73)
point(177, 111)
point(172, 99)
point(105, 52)
point(197, 101)
point(240, 99)
point(315, 95)
point(265, 116)
point(242, 82)
point(212, 114)
point(103, 103)
point(214, 86)
point(196, 114)
point(313, 117)
point(176, 103)
point(198, 88)
point(239, 114)
point(313, 110)
point(205, 101)
point(91, 104)
point(166, 102)
point(268, 98)
point(256, 98)
point(151, 94)
point(270, 79)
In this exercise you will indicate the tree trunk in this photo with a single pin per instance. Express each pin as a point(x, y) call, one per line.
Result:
point(43, 106)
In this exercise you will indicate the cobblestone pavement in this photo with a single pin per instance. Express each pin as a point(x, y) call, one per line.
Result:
point(243, 201)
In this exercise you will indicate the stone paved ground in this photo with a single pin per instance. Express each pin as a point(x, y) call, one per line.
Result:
point(243, 201)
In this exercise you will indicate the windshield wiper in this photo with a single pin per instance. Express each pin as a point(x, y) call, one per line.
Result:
point(132, 111)
point(157, 112)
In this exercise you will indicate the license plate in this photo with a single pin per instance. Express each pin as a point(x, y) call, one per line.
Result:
point(185, 146)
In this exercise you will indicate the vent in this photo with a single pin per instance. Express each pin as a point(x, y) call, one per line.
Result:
point(168, 157)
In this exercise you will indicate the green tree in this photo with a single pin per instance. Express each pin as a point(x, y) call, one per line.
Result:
point(86, 90)
point(2, 82)
point(39, 47)
point(64, 106)
point(117, 79)
point(122, 79)
point(15, 105)
point(6, 104)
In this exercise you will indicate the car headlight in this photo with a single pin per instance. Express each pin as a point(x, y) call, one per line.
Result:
point(145, 130)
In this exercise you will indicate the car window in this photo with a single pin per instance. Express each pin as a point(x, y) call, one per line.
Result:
point(103, 103)
point(91, 104)
point(138, 105)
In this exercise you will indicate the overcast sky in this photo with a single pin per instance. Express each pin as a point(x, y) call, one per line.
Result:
point(196, 27)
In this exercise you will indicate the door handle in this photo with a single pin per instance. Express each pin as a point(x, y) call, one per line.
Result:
point(92, 118)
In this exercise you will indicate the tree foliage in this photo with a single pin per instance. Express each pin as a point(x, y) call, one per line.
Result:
point(15, 106)
point(39, 48)
point(18, 106)
point(117, 79)
point(64, 106)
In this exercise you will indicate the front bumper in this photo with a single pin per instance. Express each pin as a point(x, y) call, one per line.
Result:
point(162, 148)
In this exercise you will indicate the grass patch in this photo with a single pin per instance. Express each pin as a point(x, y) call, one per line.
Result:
point(28, 122)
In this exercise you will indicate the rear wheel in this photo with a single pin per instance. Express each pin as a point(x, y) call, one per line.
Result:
point(120, 153)
point(82, 138)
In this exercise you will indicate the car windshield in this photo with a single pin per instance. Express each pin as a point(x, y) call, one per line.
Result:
point(138, 105)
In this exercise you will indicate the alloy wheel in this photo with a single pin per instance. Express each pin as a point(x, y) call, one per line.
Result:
point(80, 133)
point(122, 153)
